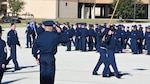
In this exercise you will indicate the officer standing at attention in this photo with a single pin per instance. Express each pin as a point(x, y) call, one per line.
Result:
point(77, 36)
point(91, 37)
point(69, 34)
point(147, 40)
point(12, 41)
point(84, 35)
point(134, 40)
point(40, 29)
point(28, 36)
point(97, 34)
point(46, 47)
point(3, 55)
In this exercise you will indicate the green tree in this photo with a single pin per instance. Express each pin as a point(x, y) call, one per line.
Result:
point(16, 5)
point(125, 9)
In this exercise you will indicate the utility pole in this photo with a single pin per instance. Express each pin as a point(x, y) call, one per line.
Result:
point(134, 11)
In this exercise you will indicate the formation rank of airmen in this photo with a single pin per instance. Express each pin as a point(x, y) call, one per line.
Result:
point(87, 37)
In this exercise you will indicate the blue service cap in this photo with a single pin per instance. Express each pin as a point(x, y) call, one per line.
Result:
point(101, 27)
point(135, 26)
point(48, 23)
point(112, 28)
point(139, 25)
point(83, 24)
point(12, 24)
point(78, 23)
point(91, 25)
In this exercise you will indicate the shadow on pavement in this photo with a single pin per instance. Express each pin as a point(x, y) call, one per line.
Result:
point(9, 69)
point(11, 81)
point(140, 69)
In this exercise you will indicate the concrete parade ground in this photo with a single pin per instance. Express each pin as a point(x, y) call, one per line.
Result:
point(75, 67)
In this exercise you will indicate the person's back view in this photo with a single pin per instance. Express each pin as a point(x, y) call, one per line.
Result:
point(3, 55)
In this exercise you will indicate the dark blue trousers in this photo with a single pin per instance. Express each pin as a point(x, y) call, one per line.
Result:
point(69, 45)
point(47, 69)
point(13, 55)
point(148, 46)
point(112, 62)
point(1, 73)
point(77, 43)
point(102, 59)
point(29, 43)
point(83, 43)
point(91, 43)
point(134, 46)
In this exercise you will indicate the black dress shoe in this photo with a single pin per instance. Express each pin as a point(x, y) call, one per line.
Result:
point(119, 75)
point(112, 74)
point(106, 76)
point(95, 73)
point(18, 68)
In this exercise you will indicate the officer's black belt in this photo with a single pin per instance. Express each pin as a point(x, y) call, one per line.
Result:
point(47, 54)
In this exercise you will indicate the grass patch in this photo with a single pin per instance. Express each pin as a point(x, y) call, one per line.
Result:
point(73, 21)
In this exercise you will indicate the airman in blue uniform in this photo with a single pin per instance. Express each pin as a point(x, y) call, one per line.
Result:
point(140, 39)
point(91, 37)
point(118, 37)
point(111, 43)
point(3, 55)
point(147, 40)
point(97, 35)
point(123, 39)
point(46, 48)
point(128, 34)
point(70, 34)
point(73, 33)
point(134, 39)
point(84, 35)
point(12, 41)
point(40, 29)
point(103, 56)
point(144, 46)
point(28, 36)
point(34, 28)
point(77, 36)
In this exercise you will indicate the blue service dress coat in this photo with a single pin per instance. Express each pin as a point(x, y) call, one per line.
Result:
point(12, 41)
point(111, 43)
point(3, 56)
point(84, 35)
point(77, 38)
point(147, 39)
point(28, 36)
point(46, 47)
point(134, 45)
point(91, 39)
point(69, 34)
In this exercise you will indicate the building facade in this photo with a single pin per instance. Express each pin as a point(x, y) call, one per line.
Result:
point(3, 7)
point(84, 9)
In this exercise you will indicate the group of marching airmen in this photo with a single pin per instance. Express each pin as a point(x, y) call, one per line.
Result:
point(107, 39)
point(87, 37)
